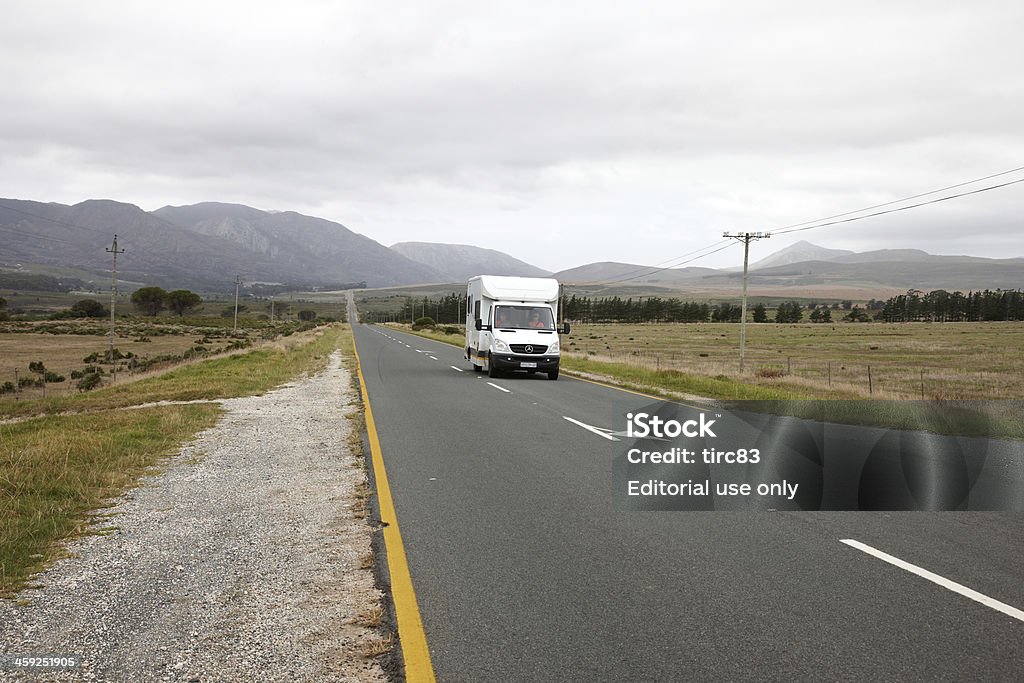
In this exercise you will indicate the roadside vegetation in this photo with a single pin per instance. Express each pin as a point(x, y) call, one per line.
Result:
point(891, 375)
point(66, 456)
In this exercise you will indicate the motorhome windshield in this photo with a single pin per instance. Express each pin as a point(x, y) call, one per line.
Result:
point(523, 318)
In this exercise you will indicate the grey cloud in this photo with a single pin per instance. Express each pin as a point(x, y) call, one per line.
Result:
point(574, 116)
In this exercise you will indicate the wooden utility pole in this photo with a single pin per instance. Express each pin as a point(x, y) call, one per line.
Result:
point(113, 301)
point(746, 238)
point(238, 282)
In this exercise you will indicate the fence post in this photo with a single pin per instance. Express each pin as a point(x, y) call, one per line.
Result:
point(830, 373)
point(922, 385)
point(789, 365)
point(17, 385)
point(870, 388)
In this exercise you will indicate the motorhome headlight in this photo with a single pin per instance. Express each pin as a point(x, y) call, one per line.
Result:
point(554, 348)
point(500, 346)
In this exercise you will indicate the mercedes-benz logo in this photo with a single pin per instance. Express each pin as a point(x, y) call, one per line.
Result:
point(529, 348)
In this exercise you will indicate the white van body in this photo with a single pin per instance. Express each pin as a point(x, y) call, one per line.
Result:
point(511, 325)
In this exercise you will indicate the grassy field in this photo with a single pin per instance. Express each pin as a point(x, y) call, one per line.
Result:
point(147, 346)
point(793, 395)
point(57, 469)
point(950, 361)
point(286, 306)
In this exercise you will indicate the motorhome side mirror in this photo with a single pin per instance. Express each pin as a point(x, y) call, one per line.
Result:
point(565, 328)
point(479, 324)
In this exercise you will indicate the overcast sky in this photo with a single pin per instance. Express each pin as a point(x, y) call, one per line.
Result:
point(560, 133)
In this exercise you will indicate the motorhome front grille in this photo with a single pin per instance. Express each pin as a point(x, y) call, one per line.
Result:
point(528, 348)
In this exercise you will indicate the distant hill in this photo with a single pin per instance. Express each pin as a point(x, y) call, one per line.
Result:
point(801, 251)
point(458, 262)
point(609, 271)
point(925, 272)
point(204, 246)
point(201, 246)
point(833, 270)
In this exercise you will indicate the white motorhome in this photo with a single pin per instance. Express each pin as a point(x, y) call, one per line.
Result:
point(511, 325)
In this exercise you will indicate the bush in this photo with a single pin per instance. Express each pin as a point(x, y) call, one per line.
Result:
point(52, 377)
point(769, 372)
point(306, 315)
point(425, 321)
point(7, 388)
point(90, 381)
point(450, 329)
point(88, 308)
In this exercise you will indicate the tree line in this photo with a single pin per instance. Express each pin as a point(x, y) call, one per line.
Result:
point(936, 306)
point(942, 306)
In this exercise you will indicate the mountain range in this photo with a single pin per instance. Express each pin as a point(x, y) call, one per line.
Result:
point(205, 246)
point(811, 268)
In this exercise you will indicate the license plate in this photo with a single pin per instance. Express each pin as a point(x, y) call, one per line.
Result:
point(527, 365)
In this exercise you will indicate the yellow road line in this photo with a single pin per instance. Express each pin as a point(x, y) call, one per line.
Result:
point(418, 667)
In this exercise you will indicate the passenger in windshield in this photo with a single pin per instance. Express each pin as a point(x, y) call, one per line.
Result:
point(502, 320)
point(535, 321)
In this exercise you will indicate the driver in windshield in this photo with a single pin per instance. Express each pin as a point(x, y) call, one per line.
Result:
point(535, 321)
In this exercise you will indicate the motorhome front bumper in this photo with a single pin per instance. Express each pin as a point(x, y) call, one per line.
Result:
point(521, 361)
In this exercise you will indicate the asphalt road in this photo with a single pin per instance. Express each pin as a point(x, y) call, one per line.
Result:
point(526, 570)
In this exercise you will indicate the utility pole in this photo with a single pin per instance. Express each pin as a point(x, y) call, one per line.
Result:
point(238, 282)
point(271, 309)
point(113, 300)
point(746, 238)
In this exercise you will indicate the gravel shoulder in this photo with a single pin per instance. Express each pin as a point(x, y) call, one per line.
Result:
point(239, 561)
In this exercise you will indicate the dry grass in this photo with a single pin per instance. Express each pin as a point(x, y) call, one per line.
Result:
point(242, 374)
point(947, 361)
point(64, 353)
point(377, 646)
point(370, 618)
point(360, 508)
point(952, 360)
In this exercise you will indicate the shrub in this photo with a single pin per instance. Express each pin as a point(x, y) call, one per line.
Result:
point(769, 372)
point(90, 381)
point(425, 321)
point(8, 388)
point(88, 308)
point(450, 329)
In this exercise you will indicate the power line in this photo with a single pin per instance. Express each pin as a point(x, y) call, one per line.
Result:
point(139, 256)
point(897, 201)
point(900, 208)
point(651, 270)
point(53, 220)
point(37, 237)
point(810, 225)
